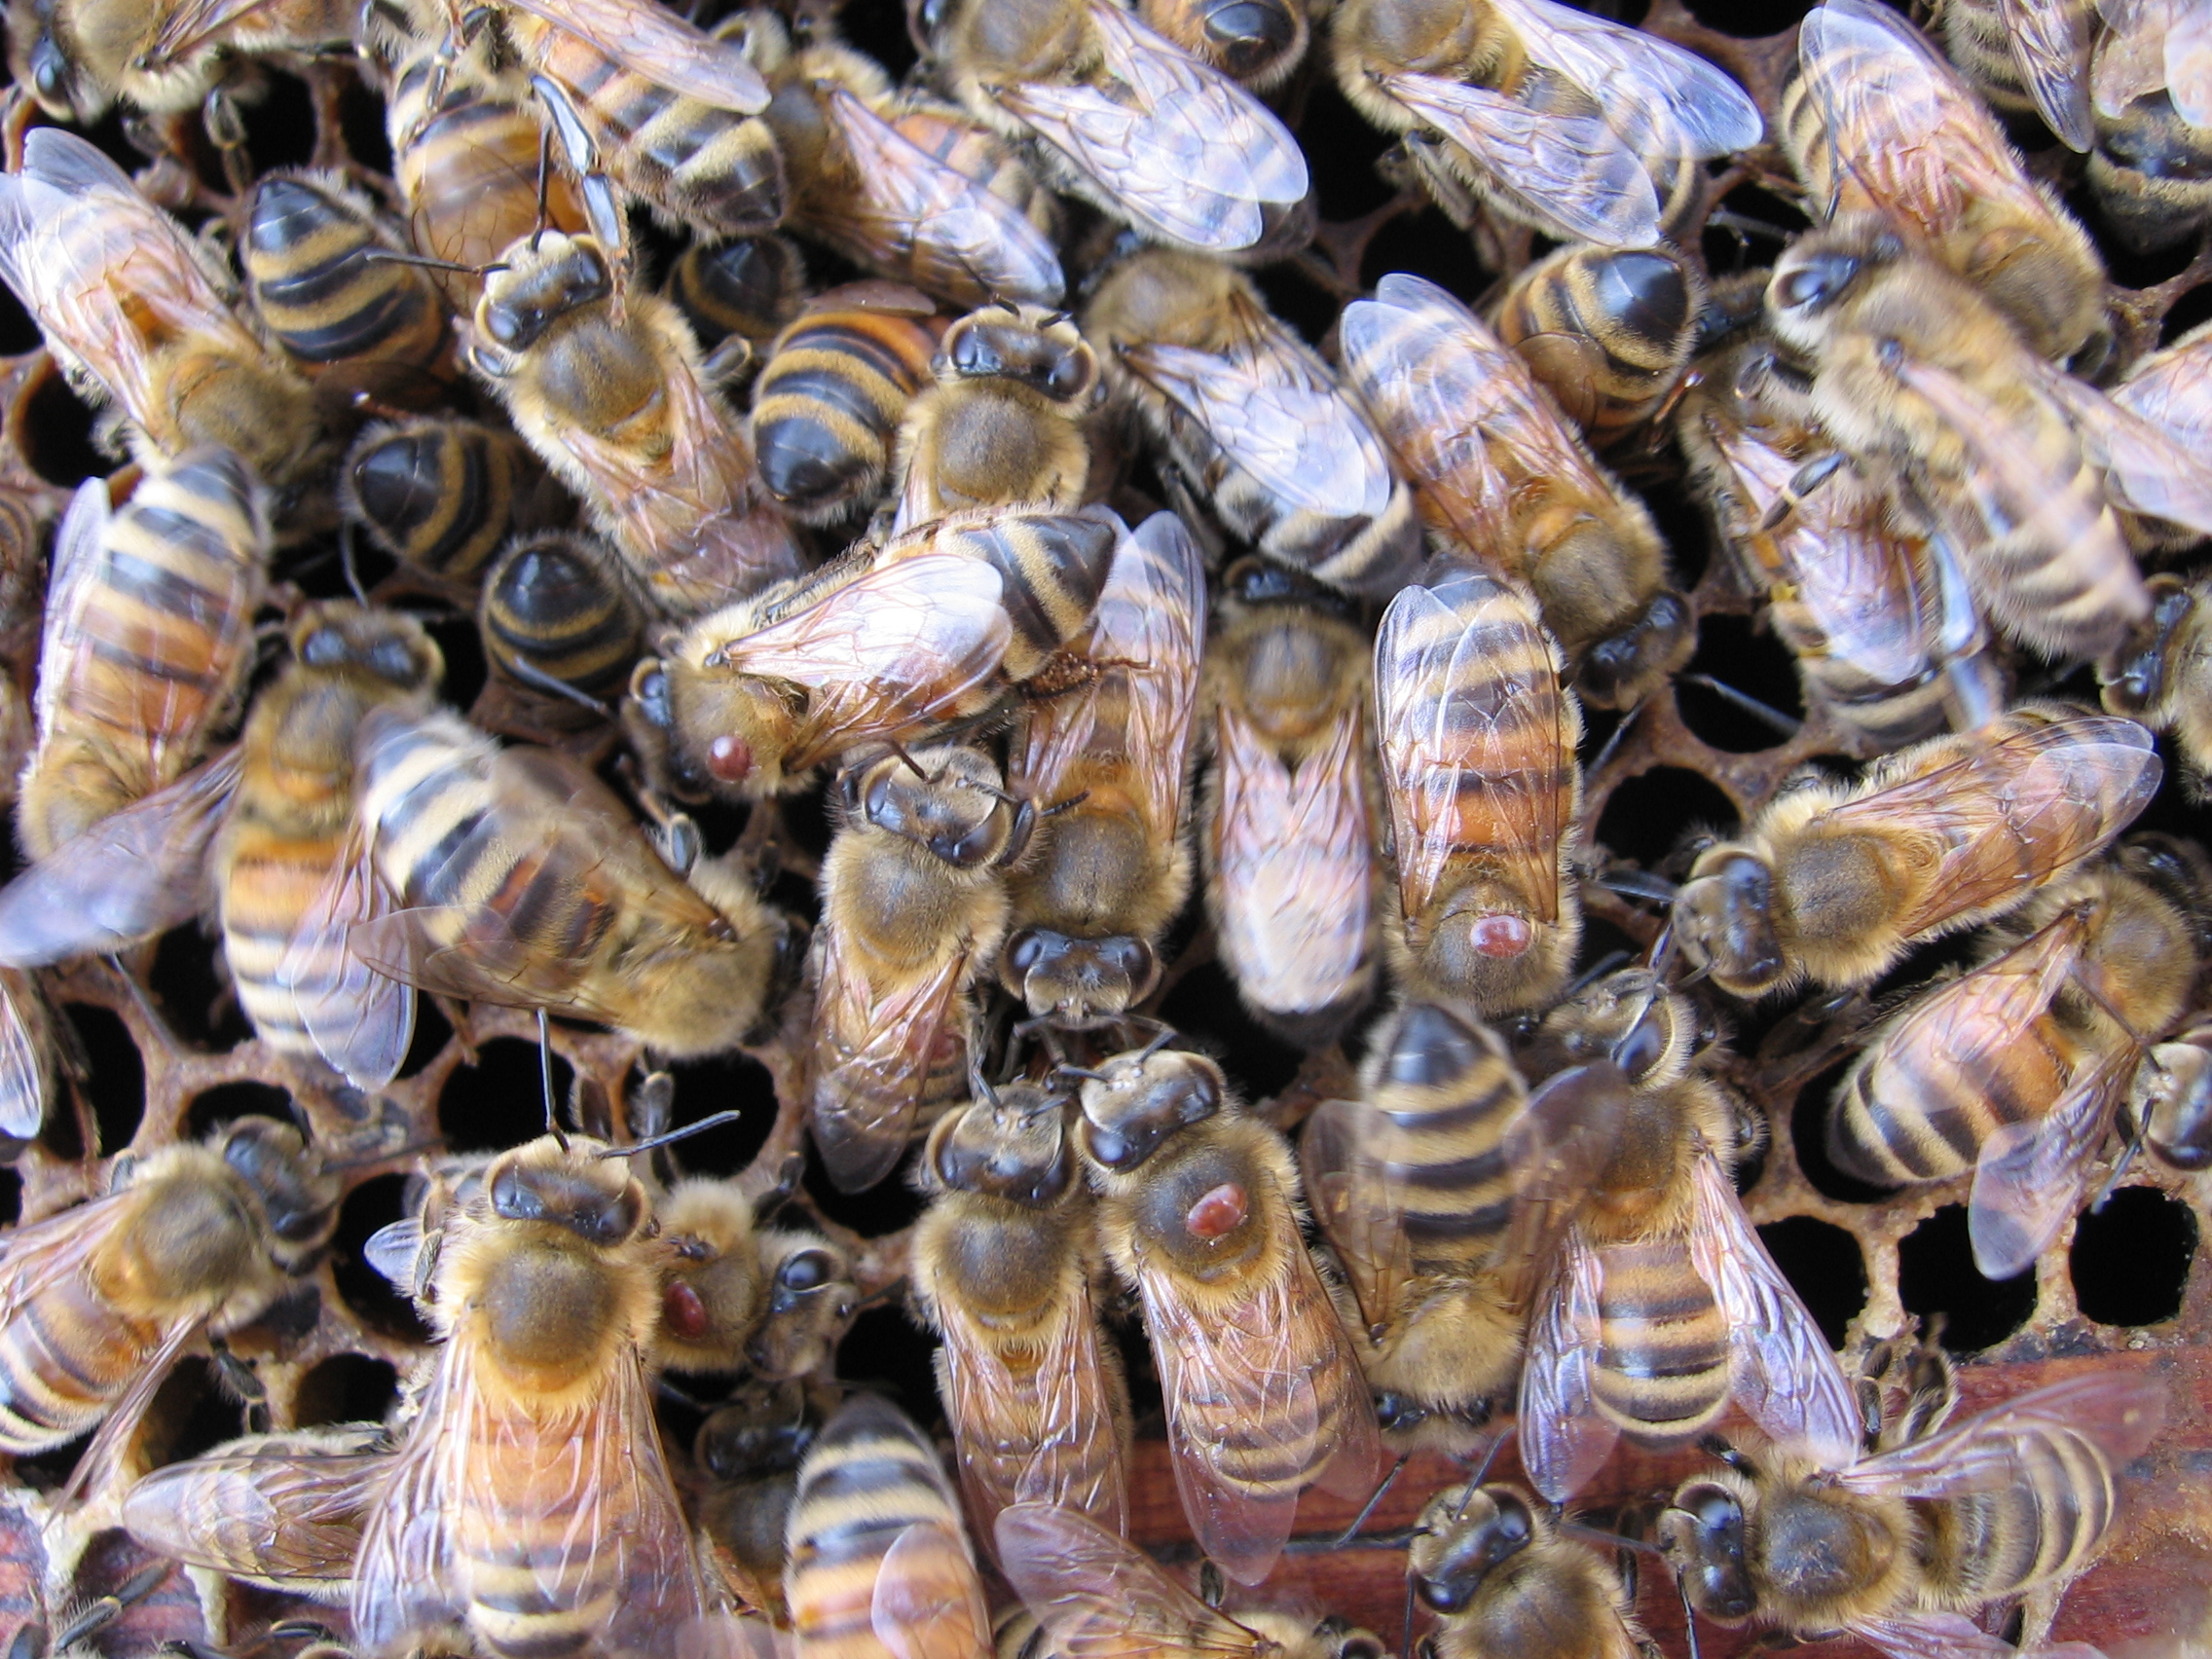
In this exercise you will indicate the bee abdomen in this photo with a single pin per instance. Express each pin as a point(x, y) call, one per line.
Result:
point(1053, 570)
point(306, 258)
point(52, 1356)
point(1663, 1355)
point(437, 494)
point(1904, 1118)
point(2044, 1526)
point(750, 286)
point(555, 604)
point(827, 411)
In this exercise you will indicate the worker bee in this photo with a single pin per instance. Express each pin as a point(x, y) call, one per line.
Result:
point(521, 880)
point(148, 639)
point(751, 287)
point(1497, 470)
point(282, 1511)
point(139, 314)
point(2016, 1069)
point(902, 184)
point(913, 906)
point(616, 403)
point(1197, 1209)
point(1899, 1547)
point(1585, 130)
point(877, 1564)
point(829, 403)
point(1115, 115)
point(1663, 1304)
point(1109, 765)
point(349, 318)
point(1253, 421)
point(1858, 601)
point(1004, 425)
point(1501, 1580)
point(1093, 1591)
point(533, 1436)
point(1834, 882)
point(556, 617)
point(1607, 331)
point(884, 648)
point(748, 1451)
point(1477, 738)
point(97, 1300)
point(2028, 57)
point(284, 887)
point(772, 1301)
point(2150, 84)
point(1290, 813)
point(438, 492)
point(1001, 1271)
point(1873, 108)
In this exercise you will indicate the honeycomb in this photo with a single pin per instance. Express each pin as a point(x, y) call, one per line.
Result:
point(161, 1056)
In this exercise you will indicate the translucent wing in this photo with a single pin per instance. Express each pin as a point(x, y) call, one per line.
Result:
point(1186, 152)
point(1905, 127)
point(2173, 390)
point(2131, 55)
point(2189, 63)
point(71, 581)
point(928, 1604)
point(1555, 1149)
point(1565, 1439)
point(942, 219)
point(97, 1463)
point(2115, 1412)
point(1782, 1370)
point(360, 1021)
point(1619, 66)
point(134, 873)
point(663, 47)
point(41, 1254)
point(22, 1060)
point(2031, 1175)
point(1354, 1198)
point(1102, 1597)
point(2051, 47)
point(1953, 1636)
point(2148, 469)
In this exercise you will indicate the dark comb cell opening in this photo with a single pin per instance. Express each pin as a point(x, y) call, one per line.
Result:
point(233, 1100)
point(117, 1086)
point(1650, 816)
point(1936, 1275)
point(726, 1082)
point(1425, 243)
point(432, 1032)
point(888, 1352)
point(1823, 1264)
point(18, 332)
point(1808, 1132)
point(884, 1208)
point(58, 437)
point(279, 125)
point(878, 28)
point(501, 1101)
point(346, 1387)
point(1734, 652)
point(360, 124)
point(2130, 1260)
point(11, 1195)
point(372, 1298)
point(193, 1410)
point(1204, 1007)
point(464, 649)
point(2191, 310)
point(194, 992)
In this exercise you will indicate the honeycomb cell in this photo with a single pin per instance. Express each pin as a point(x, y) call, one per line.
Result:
point(1650, 816)
point(368, 1295)
point(1936, 1275)
point(1823, 1264)
point(117, 1086)
point(233, 1100)
point(2130, 1259)
point(346, 1387)
point(499, 1102)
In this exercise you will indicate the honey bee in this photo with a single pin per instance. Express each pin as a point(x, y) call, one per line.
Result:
point(1197, 1209)
point(773, 1300)
point(913, 906)
point(437, 492)
point(1109, 765)
point(1004, 425)
point(282, 1511)
point(751, 287)
point(1834, 882)
point(2028, 57)
point(1292, 882)
point(748, 1451)
point(617, 404)
point(1607, 331)
point(913, 189)
point(1899, 1547)
point(829, 403)
point(1876, 119)
point(556, 617)
point(2016, 1069)
point(284, 887)
point(1091, 1591)
point(1498, 471)
point(534, 1439)
point(148, 639)
point(1001, 1271)
point(1860, 601)
point(348, 318)
point(877, 1564)
point(2150, 84)
point(927, 632)
point(1663, 1304)
point(1587, 130)
point(1124, 119)
point(521, 880)
point(139, 314)
point(1253, 419)
point(1477, 738)
point(97, 1300)
point(1503, 1581)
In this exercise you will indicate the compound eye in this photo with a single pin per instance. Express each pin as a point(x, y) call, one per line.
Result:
point(808, 1270)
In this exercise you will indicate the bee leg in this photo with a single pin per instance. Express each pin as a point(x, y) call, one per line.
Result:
point(1802, 483)
point(1213, 1589)
point(226, 130)
point(99, 1614)
point(239, 1379)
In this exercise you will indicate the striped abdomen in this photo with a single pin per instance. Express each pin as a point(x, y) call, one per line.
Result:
point(1440, 1105)
point(66, 1356)
point(2047, 1526)
point(1912, 1111)
point(306, 253)
point(827, 409)
point(1053, 565)
point(1608, 329)
point(752, 285)
point(554, 604)
point(439, 493)
point(1663, 1342)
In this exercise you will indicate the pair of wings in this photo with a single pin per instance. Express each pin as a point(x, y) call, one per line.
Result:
point(2154, 44)
point(2031, 795)
point(1583, 177)
point(1276, 413)
point(1293, 856)
point(1443, 389)
point(1468, 689)
point(1146, 632)
point(110, 278)
point(1781, 1368)
point(1185, 152)
point(932, 222)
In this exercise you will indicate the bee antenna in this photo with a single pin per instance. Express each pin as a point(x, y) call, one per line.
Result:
point(1083, 1073)
point(393, 256)
point(345, 559)
point(979, 1086)
point(653, 1143)
point(1375, 1497)
point(1160, 1039)
point(546, 1080)
point(1689, 1614)
point(1482, 1469)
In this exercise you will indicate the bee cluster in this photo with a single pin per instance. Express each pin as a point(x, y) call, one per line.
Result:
point(1527, 794)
